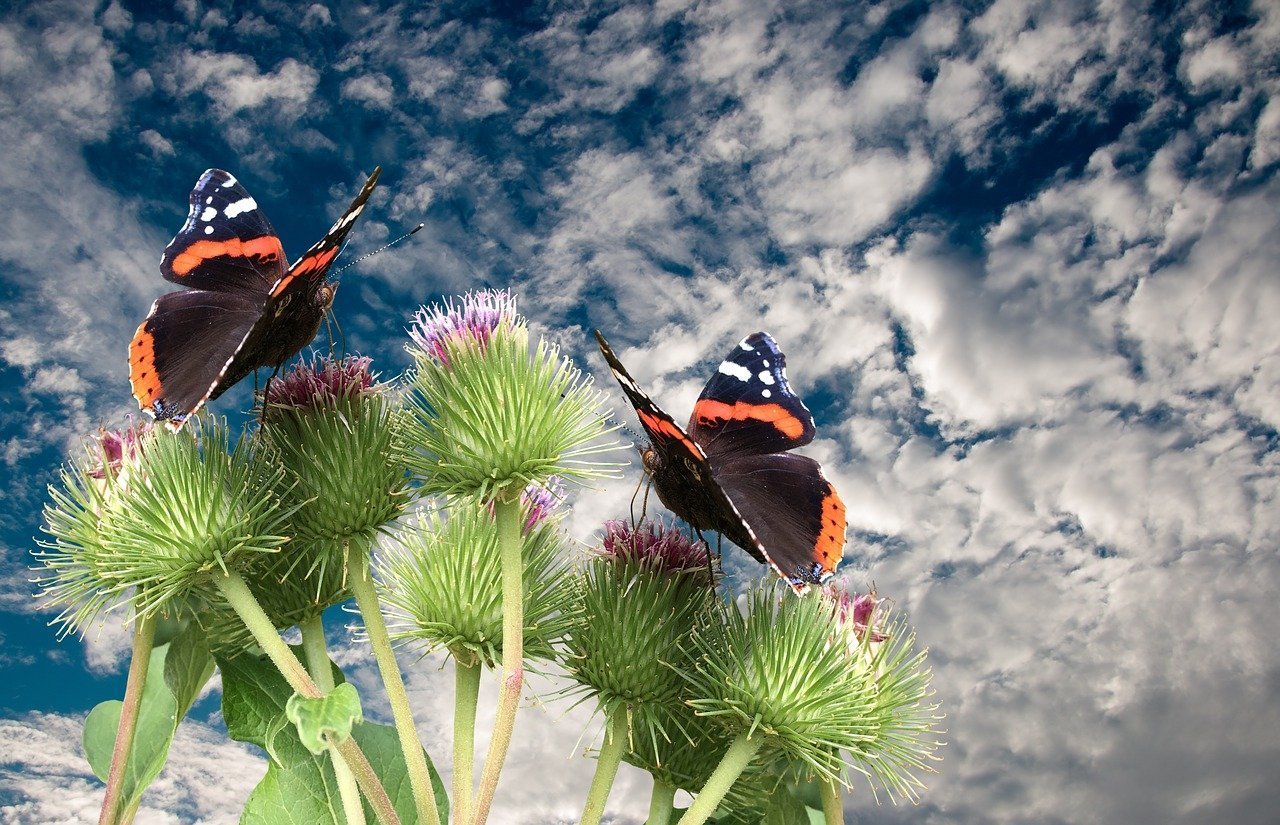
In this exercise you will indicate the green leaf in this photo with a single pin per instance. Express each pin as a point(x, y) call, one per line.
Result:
point(254, 695)
point(299, 787)
point(175, 674)
point(785, 809)
point(333, 714)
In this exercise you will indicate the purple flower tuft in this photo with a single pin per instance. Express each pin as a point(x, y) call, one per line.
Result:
point(857, 613)
point(115, 447)
point(474, 320)
point(541, 501)
point(320, 381)
point(656, 542)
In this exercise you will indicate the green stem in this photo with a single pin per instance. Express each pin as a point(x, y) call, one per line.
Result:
point(832, 806)
point(246, 606)
point(317, 653)
point(144, 634)
point(466, 697)
point(617, 730)
point(508, 516)
point(731, 766)
point(361, 584)
point(661, 803)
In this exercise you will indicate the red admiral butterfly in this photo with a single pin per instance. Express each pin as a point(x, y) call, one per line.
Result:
point(242, 309)
point(731, 471)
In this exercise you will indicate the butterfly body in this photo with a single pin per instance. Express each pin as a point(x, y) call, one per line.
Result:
point(731, 470)
point(242, 309)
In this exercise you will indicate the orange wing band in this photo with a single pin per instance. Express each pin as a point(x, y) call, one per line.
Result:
point(830, 544)
point(708, 411)
point(142, 367)
point(264, 249)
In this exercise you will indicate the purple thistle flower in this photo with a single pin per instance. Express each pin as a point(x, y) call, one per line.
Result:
point(541, 501)
point(856, 612)
point(663, 545)
point(322, 380)
point(115, 447)
point(473, 321)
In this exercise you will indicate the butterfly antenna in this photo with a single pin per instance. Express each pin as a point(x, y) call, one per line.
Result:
point(382, 248)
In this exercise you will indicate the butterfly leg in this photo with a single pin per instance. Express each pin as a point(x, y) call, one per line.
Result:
point(710, 570)
point(266, 388)
point(635, 522)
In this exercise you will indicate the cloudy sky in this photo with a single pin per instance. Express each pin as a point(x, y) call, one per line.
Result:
point(1022, 256)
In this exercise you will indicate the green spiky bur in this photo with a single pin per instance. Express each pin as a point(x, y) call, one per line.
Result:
point(337, 440)
point(492, 415)
point(183, 508)
point(788, 671)
point(441, 585)
point(631, 620)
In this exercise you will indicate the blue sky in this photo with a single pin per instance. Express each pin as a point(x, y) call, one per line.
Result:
point(1021, 256)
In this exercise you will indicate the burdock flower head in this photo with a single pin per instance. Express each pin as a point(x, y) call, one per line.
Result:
point(780, 686)
point(490, 416)
point(636, 603)
point(156, 514)
point(441, 581)
point(437, 329)
point(336, 433)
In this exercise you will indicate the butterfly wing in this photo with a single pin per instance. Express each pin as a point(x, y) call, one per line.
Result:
point(664, 433)
point(309, 271)
point(748, 407)
point(792, 512)
point(226, 244)
point(183, 348)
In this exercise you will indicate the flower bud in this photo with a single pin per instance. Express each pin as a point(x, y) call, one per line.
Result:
point(636, 602)
point(190, 509)
point(488, 415)
point(775, 672)
point(441, 584)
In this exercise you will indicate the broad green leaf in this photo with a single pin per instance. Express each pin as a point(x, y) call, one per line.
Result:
point(299, 787)
point(175, 674)
point(333, 713)
point(254, 694)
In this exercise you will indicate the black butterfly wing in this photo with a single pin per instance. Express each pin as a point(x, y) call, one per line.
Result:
point(664, 433)
point(791, 511)
point(309, 271)
point(748, 407)
point(183, 348)
point(227, 244)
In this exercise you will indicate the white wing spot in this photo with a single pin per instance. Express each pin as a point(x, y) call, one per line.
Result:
point(767, 393)
point(208, 230)
point(231, 180)
point(209, 199)
point(766, 377)
point(241, 206)
point(744, 345)
point(735, 371)
point(208, 214)
point(766, 363)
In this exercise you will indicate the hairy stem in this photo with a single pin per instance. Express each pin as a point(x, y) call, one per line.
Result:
point(508, 515)
point(242, 600)
point(832, 805)
point(361, 584)
point(317, 653)
point(617, 730)
point(466, 697)
point(732, 764)
point(661, 803)
point(144, 634)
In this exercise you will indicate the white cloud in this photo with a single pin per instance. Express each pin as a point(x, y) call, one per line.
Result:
point(372, 89)
point(234, 82)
